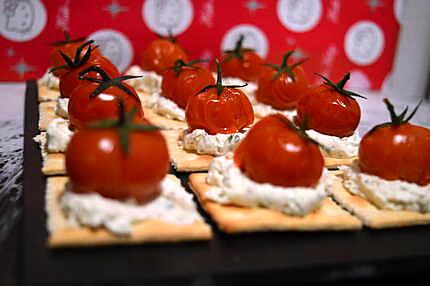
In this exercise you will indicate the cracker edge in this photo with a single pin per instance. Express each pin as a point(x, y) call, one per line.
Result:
point(233, 219)
point(146, 231)
point(373, 217)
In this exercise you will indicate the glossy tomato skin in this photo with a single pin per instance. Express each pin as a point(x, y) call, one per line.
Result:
point(397, 153)
point(282, 92)
point(96, 162)
point(273, 153)
point(162, 54)
point(69, 49)
point(247, 68)
point(83, 109)
point(190, 81)
point(229, 112)
point(70, 80)
point(329, 112)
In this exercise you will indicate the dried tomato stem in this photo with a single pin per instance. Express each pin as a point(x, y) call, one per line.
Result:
point(219, 86)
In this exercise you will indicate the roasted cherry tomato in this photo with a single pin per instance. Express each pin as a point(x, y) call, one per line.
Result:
point(241, 62)
point(276, 152)
point(184, 80)
point(119, 160)
point(92, 101)
point(161, 54)
point(282, 86)
point(70, 79)
point(67, 47)
point(219, 109)
point(397, 150)
point(330, 109)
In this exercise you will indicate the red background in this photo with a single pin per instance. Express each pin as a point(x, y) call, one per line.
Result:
point(211, 20)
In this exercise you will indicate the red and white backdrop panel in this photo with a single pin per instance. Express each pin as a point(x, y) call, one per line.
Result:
point(359, 36)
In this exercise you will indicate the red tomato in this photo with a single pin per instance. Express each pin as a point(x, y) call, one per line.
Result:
point(219, 109)
point(274, 152)
point(241, 62)
point(67, 47)
point(69, 80)
point(97, 161)
point(397, 151)
point(185, 80)
point(282, 86)
point(85, 105)
point(161, 54)
point(330, 109)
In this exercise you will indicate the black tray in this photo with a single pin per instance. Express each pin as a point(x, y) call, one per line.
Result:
point(251, 258)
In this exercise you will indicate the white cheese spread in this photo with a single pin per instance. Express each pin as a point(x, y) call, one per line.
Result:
point(50, 80)
point(231, 186)
point(163, 106)
point(386, 194)
point(150, 82)
point(42, 140)
point(174, 205)
point(58, 135)
point(345, 147)
point(201, 142)
point(61, 109)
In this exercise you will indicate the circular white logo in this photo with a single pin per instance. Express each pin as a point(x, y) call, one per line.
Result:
point(21, 20)
point(167, 16)
point(364, 43)
point(115, 46)
point(299, 15)
point(254, 38)
point(359, 80)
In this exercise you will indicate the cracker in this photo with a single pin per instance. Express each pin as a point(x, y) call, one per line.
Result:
point(235, 219)
point(54, 164)
point(182, 160)
point(46, 114)
point(64, 235)
point(331, 162)
point(163, 121)
point(372, 216)
point(47, 94)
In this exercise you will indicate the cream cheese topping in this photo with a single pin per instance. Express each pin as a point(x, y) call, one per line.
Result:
point(174, 205)
point(58, 135)
point(386, 194)
point(248, 90)
point(231, 186)
point(150, 82)
point(61, 109)
point(50, 80)
point(42, 140)
point(345, 147)
point(201, 142)
point(163, 106)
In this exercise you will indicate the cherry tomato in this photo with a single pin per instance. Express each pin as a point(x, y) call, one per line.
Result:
point(70, 80)
point(282, 86)
point(84, 108)
point(161, 54)
point(274, 152)
point(241, 62)
point(96, 161)
point(219, 109)
point(330, 109)
point(67, 47)
point(180, 83)
point(397, 151)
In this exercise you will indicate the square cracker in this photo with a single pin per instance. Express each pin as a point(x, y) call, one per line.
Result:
point(47, 94)
point(64, 235)
point(235, 219)
point(332, 163)
point(54, 164)
point(46, 114)
point(372, 216)
point(182, 160)
point(162, 121)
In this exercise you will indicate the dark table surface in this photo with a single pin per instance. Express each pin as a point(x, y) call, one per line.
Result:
point(400, 256)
